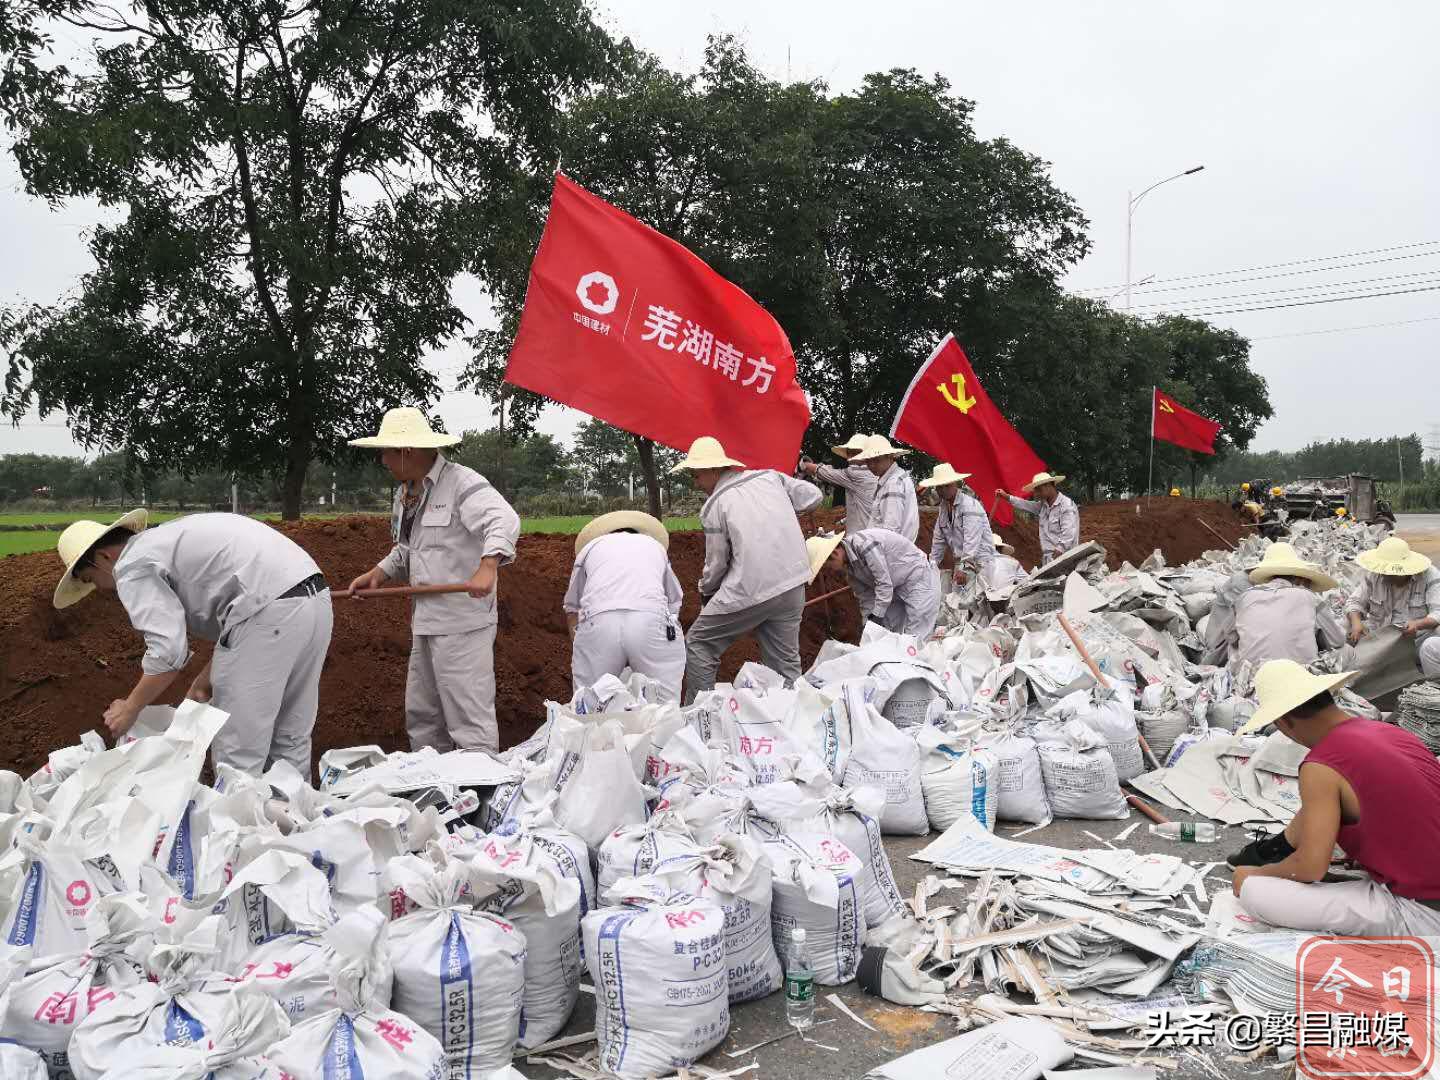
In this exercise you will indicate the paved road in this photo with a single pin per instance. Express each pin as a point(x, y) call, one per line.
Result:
point(1422, 531)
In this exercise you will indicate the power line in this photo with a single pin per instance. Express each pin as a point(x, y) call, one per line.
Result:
point(1328, 288)
point(1343, 329)
point(1308, 303)
point(1146, 287)
point(1276, 266)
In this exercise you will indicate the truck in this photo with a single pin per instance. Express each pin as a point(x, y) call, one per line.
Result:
point(1314, 497)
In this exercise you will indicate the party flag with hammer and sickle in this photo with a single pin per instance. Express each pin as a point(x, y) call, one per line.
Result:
point(947, 414)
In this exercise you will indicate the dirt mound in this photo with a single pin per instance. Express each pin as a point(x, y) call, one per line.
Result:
point(60, 669)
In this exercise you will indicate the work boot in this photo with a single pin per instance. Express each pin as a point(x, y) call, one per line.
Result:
point(1263, 851)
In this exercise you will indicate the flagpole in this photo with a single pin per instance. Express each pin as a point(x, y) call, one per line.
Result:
point(1150, 481)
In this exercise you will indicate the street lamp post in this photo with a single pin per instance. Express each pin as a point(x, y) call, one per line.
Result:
point(1130, 221)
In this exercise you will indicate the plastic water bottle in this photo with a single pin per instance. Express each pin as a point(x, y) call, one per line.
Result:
point(799, 982)
point(1188, 832)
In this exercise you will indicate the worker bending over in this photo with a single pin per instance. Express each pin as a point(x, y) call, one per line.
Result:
point(961, 525)
point(755, 564)
point(857, 481)
point(1282, 615)
point(1370, 787)
point(896, 507)
point(895, 584)
point(227, 579)
point(623, 603)
point(1058, 516)
point(449, 526)
point(1400, 588)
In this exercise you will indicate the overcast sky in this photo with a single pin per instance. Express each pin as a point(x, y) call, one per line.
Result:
point(1316, 123)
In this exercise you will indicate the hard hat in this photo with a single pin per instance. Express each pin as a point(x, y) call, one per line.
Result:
point(1245, 486)
point(1340, 511)
point(1277, 490)
point(1174, 492)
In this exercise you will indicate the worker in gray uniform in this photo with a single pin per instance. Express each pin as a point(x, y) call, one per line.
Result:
point(895, 507)
point(223, 578)
point(450, 526)
point(755, 563)
point(857, 481)
point(1057, 514)
point(961, 525)
point(894, 583)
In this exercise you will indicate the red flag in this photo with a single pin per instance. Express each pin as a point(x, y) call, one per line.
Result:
point(1172, 422)
point(629, 326)
point(947, 413)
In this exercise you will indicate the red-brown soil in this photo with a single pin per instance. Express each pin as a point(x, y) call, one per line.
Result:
point(59, 670)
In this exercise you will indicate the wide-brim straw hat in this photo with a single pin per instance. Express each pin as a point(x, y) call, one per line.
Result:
point(819, 548)
point(1000, 544)
point(1281, 560)
point(406, 429)
point(707, 453)
point(851, 448)
point(1394, 557)
point(623, 519)
point(78, 539)
point(1043, 478)
point(944, 474)
point(1282, 685)
point(878, 446)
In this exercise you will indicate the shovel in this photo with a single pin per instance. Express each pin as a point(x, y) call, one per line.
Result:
point(401, 590)
point(1082, 599)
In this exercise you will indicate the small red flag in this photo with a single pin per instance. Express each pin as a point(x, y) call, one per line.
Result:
point(947, 413)
point(627, 325)
point(1173, 423)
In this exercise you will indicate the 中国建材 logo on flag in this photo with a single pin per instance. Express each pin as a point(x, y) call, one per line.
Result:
point(1366, 1007)
point(593, 285)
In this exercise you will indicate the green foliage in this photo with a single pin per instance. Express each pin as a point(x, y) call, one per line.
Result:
point(1380, 458)
point(300, 184)
point(520, 467)
point(605, 458)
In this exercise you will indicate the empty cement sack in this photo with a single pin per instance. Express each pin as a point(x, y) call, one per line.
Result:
point(848, 814)
point(525, 888)
point(361, 1037)
point(657, 960)
point(818, 883)
point(1019, 783)
point(459, 973)
point(958, 780)
point(1080, 780)
point(1110, 712)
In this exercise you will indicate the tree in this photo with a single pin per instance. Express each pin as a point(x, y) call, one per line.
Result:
point(301, 181)
point(519, 466)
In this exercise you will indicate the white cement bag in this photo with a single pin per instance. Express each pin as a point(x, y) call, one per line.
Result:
point(958, 780)
point(848, 814)
point(1080, 780)
point(598, 789)
point(57, 891)
point(18, 1063)
point(188, 1002)
point(361, 1038)
point(716, 812)
point(459, 973)
point(336, 765)
point(1110, 712)
point(61, 764)
point(657, 960)
point(246, 1025)
point(46, 999)
point(881, 755)
point(904, 692)
point(818, 888)
point(524, 887)
point(1018, 780)
point(1055, 675)
point(276, 896)
point(751, 725)
point(638, 850)
point(338, 849)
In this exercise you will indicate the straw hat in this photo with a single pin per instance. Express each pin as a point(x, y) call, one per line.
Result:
point(1000, 544)
point(1282, 560)
point(707, 453)
point(406, 429)
point(854, 446)
point(1042, 478)
point(878, 446)
point(1284, 684)
point(943, 475)
point(1394, 558)
point(819, 549)
point(623, 519)
point(78, 539)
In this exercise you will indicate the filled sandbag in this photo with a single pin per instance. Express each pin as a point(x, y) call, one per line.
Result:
point(57, 890)
point(1079, 774)
point(1110, 712)
point(1019, 781)
point(18, 1063)
point(637, 850)
point(246, 1026)
point(458, 973)
point(878, 754)
point(657, 960)
point(818, 883)
point(849, 815)
point(958, 779)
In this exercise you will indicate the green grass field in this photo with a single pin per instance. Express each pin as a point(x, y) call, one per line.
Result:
point(21, 542)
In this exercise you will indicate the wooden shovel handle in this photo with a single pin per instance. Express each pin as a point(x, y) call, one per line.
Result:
point(827, 596)
point(1084, 652)
point(1146, 809)
point(401, 590)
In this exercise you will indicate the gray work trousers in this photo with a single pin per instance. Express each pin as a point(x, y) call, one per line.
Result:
point(266, 675)
point(915, 610)
point(450, 691)
point(775, 624)
point(608, 643)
